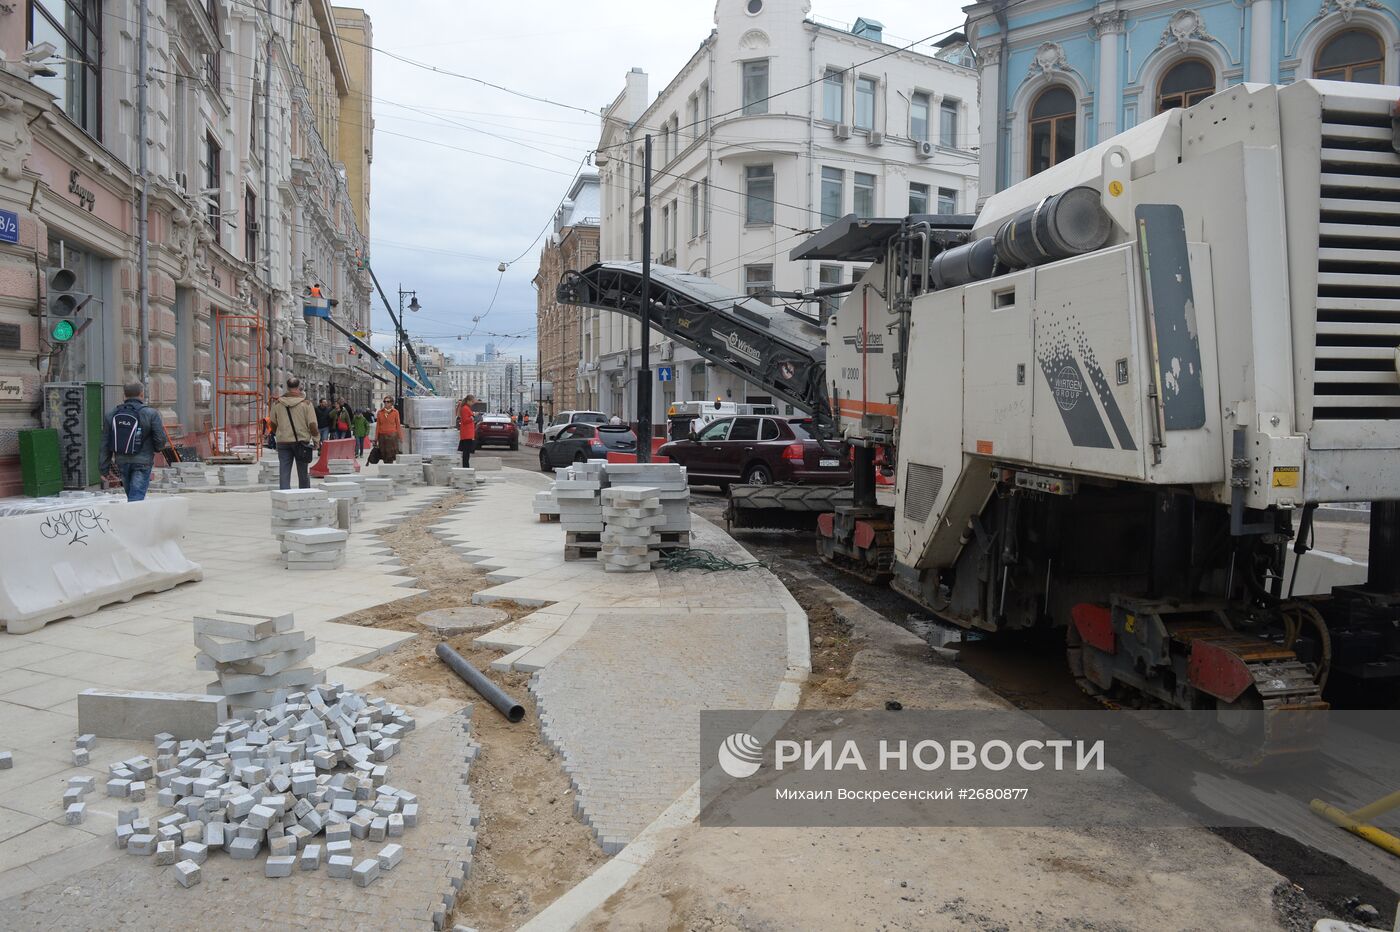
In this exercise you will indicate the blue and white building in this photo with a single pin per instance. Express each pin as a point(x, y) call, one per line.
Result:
point(1058, 77)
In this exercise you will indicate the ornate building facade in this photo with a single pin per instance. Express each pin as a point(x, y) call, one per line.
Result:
point(560, 328)
point(1060, 77)
point(246, 207)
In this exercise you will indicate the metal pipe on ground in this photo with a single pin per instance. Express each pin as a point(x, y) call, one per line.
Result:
point(512, 710)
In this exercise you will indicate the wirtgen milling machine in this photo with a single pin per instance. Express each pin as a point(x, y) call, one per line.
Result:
point(1114, 400)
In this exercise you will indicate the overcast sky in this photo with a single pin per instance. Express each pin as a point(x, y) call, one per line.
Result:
point(443, 218)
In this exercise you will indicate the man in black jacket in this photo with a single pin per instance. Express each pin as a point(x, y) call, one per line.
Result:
point(132, 432)
point(323, 419)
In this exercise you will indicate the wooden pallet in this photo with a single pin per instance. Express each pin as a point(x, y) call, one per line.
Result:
point(674, 540)
point(549, 519)
point(582, 545)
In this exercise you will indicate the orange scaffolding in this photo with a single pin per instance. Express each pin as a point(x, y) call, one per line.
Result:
point(240, 400)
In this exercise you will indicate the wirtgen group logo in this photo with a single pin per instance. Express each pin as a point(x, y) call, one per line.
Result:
point(740, 755)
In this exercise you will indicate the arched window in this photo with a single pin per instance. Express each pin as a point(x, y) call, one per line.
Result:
point(1185, 83)
point(1351, 55)
point(1052, 127)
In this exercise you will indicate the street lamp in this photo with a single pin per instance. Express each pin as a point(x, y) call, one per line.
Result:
point(399, 337)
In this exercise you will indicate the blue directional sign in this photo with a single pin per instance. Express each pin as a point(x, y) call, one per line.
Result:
point(9, 226)
point(663, 373)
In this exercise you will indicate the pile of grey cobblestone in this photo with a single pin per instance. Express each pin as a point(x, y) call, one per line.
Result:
point(311, 766)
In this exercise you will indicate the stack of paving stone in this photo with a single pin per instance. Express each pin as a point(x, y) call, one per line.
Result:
point(464, 478)
point(257, 657)
point(239, 476)
point(317, 548)
point(341, 467)
point(439, 470)
point(580, 513)
point(270, 471)
point(546, 506)
point(403, 474)
point(378, 489)
point(312, 764)
point(631, 516)
point(192, 475)
point(486, 463)
point(669, 484)
point(298, 509)
point(409, 459)
point(353, 492)
point(164, 479)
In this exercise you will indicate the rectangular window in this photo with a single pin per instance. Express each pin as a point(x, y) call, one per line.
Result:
point(673, 236)
point(75, 29)
point(758, 194)
point(918, 117)
point(865, 103)
point(834, 96)
point(250, 225)
point(179, 131)
point(665, 229)
point(705, 106)
point(705, 205)
point(833, 194)
point(947, 201)
point(695, 208)
point(864, 201)
point(918, 198)
point(755, 87)
point(827, 276)
point(758, 282)
point(948, 124)
point(213, 184)
point(692, 118)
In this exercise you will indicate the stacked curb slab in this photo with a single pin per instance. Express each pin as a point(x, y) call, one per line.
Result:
point(378, 489)
point(192, 475)
point(257, 657)
point(238, 476)
point(669, 482)
point(298, 509)
point(316, 548)
point(631, 516)
point(464, 479)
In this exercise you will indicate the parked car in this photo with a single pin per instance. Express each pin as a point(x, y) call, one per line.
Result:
point(497, 428)
point(757, 451)
point(581, 441)
point(565, 418)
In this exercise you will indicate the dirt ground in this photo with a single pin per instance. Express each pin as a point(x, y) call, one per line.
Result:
point(530, 847)
point(726, 880)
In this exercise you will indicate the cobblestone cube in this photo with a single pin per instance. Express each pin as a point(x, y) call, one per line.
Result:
point(281, 845)
point(141, 844)
point(279, 866)
point(340, 866)
point(194, 851)
point(310, 858)
point(244, 849)
point(187, 873)
point(366, 872)
point(81, 757)
point(165, 853)
point(74, 814)
point(390, 856)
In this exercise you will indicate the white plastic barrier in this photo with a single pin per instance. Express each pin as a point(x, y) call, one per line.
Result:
point(72, 561)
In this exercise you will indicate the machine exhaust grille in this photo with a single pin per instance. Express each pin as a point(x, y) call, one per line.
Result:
point(922, 486)
point(1358, 270)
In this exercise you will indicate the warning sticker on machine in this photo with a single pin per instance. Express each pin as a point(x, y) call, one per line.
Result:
point(1286, 477)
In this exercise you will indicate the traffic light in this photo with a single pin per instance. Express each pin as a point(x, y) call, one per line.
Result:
point(64, 302)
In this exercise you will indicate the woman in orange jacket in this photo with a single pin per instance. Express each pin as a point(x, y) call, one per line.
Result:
point(386, 430)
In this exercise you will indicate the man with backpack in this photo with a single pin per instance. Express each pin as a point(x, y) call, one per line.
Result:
point(295, 433)
point(132, 432)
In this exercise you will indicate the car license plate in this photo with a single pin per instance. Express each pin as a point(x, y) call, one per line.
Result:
point(829, 463)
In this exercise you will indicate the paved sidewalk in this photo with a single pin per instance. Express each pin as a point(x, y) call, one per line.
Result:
point(148, 644)
point(624, 663)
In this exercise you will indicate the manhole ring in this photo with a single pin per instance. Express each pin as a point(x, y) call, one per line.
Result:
point(451, 621)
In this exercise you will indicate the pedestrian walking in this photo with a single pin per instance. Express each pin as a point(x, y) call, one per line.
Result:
point(323, 420)
point(294, 430)
point(341, 425)
point(132, 432)
point(386, 430)
point(359, 427)
point(466, 430)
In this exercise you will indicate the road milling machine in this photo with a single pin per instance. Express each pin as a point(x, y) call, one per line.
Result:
point(1114, 399)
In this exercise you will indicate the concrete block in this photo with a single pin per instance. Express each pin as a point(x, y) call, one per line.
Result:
point(187, 873)
point(366, 872)
point(194, 851)
point(85, 742)
point(390, 856)
point(410, 814)
point(340, 866)
point(81, 757)
point(165, 853)
point(227, 650)
point(120, 713)
point(74, 814)
point(261, 816)
point(334, 848)
point(242, 626)
point(142, 844)
point(281, 845)
point(395, 825)
point(338, 832)
point(244, 849)
point(136, 792)
point(7, 760)
point(214, 835)
point(378, 829)
point(118, 788)
point(279, 866)
point(123, 834)
point(310, 858)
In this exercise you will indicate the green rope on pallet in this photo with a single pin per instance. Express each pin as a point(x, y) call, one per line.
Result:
point(686, 559)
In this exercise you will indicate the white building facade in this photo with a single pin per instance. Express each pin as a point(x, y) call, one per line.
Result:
point(777, 126)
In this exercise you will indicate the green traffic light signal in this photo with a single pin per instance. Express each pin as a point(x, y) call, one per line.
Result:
point(63, 331)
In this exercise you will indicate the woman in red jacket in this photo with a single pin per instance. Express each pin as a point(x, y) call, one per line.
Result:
point(466, 429)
